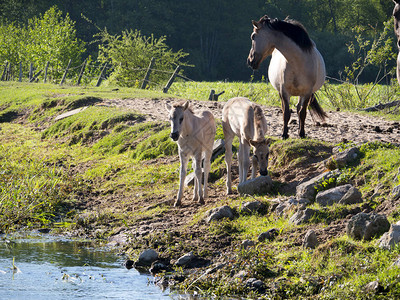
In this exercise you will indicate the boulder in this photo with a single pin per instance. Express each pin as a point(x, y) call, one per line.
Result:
point(185, 259)
point(255, 285)
point(391, 238)
point(302, 216)
point(333, 195)
point(247, 244)
point(219, 213)
point(352, 196)
point(341, 159)
point(146, 258)
point(310, 240)
point(252, 207)
point(366, 226)
point(268, 235)
point(306, 190)
point(260, 185)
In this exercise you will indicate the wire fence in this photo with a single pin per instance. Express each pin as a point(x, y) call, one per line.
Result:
point(91, 73)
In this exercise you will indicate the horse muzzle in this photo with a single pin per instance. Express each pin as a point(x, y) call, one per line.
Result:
point(264, 172)
point(174, 136)
point(253, 61)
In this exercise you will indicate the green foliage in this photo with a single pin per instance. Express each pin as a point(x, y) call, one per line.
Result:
point(130, 54)
point(48, 38)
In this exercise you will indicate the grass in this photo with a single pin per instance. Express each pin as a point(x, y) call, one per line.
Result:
point(105, 170)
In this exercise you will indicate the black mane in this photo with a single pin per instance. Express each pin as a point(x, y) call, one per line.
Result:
point(292, 29)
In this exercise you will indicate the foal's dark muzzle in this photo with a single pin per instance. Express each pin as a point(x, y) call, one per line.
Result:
point(174, 136)
point(264, 172)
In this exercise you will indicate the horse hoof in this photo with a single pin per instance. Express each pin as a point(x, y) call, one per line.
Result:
point(285, 136)
point(201, 201)
point(177, 203)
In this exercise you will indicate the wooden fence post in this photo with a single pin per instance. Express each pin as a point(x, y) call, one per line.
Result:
point(146, 77)
point(101, 75)
point(65, 73)
point(171, 80)
point(81, 73)
point(36, 76)
point(45, 72)
point(20, 72)
point(3, 76)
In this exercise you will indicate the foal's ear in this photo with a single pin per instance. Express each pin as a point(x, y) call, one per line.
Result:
point(186, 105)
point(168, 106)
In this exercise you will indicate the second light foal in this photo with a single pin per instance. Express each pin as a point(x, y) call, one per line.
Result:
point(246, 120)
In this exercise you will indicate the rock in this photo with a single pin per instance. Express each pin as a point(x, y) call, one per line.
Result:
point(159, 266)
point(219, 213)
point(341, 159)
point(260, 185)
point(268, 235)
point(373, 287)
point(366, 226)
point(185, 259)
point(146, 258)
point(118, 240)
point(302, 216)
point(253, 207)
point(255, 285)
point(283, 207)
point(396, 192)
point(246, 244)
point(129, 264)
point(331, 196)
point(352, 196)
point(391, 238)
point(310, 240)
point(306, 190)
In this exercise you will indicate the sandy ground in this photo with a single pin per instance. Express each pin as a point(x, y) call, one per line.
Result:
point(338, 127)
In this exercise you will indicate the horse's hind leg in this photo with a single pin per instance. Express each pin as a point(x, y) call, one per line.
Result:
point(285, 101)
point(207, 167)
point(302, 113)
point(244, 160)
point(198, 192)
point(228, 162)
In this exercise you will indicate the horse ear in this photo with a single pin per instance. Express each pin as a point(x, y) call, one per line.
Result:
point(186, 105)
point(168, 106)
point(255, 24)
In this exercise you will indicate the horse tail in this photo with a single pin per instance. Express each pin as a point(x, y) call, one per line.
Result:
point(316, 109)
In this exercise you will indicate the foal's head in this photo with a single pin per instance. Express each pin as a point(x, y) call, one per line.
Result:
point(260, 155)
point(176, 116)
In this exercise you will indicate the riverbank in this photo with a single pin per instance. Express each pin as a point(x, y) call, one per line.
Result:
point(110, 172)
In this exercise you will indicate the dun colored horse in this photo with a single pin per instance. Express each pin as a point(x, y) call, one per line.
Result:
point(296, 68)
point(194, 135)
point(396, 15)
point(246, 120)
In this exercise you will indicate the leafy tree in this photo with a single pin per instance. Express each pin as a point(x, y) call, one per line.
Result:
point(130, 54)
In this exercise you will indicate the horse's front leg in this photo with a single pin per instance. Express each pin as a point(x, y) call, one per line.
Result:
point(207, 167)
point(285, 101)
point(182, 175)
point(302, 113)
point(198, 192)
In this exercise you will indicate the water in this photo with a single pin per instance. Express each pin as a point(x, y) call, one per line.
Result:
point(56, 268)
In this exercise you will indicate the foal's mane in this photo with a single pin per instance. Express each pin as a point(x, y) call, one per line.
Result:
point(181, 105)
point(292, 29)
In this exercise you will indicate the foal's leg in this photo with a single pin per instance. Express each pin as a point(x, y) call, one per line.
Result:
point(207, 167)
point(198, 192)
point(182, 174)
point(255, 167)
point(228, 162)
point(302, 113)
point(244, 160)
point(285, 101)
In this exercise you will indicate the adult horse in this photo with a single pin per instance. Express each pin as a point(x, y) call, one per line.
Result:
point(396, 15)
point(246, 120)
point(195, 137)
point(296, 68)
